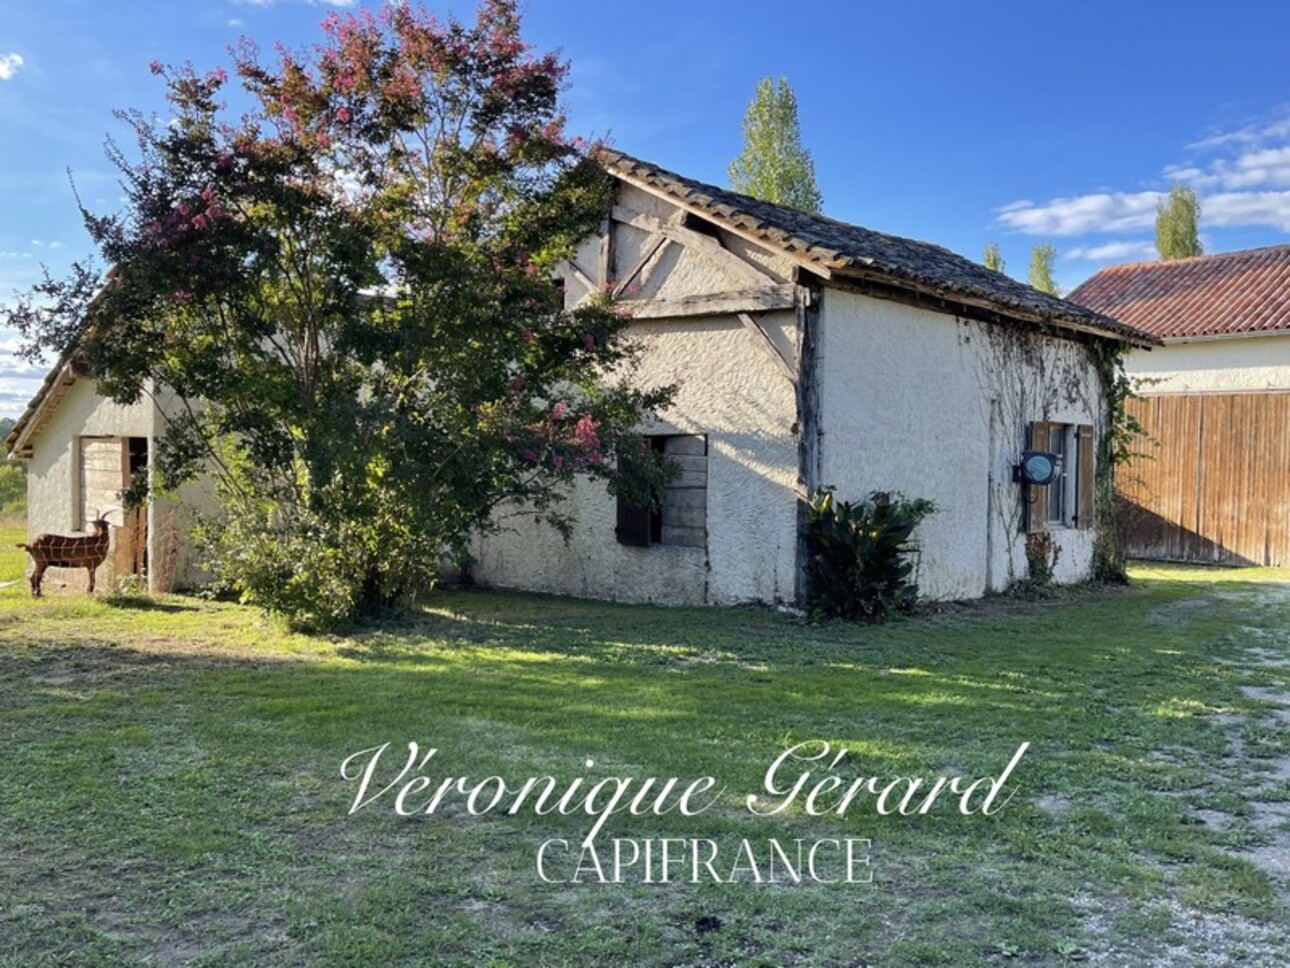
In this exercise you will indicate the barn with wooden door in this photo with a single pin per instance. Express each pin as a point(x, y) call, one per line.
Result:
point(1216, 397)
point(82, 450)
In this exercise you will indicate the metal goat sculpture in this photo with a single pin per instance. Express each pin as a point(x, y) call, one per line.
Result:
point(69, 551)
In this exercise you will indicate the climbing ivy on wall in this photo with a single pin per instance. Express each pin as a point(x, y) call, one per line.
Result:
point(1116, 447)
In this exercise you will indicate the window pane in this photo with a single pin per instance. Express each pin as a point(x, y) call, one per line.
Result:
point(1057, 489)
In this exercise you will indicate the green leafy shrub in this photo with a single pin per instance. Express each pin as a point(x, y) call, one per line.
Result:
point(13, 488)
point(862, 557)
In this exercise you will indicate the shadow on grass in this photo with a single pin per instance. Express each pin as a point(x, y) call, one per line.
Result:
point(141, 603)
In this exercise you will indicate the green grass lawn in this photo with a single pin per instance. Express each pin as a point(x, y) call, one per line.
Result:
point(171, 790)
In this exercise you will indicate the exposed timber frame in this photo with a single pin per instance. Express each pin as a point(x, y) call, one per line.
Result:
point(808, 425)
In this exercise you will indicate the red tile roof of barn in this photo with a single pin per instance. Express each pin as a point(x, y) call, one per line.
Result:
point(1210, 295)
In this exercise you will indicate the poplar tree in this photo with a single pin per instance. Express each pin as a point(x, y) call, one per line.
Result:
point(1041, 268)
point(1177, 218)
point(993, 258)
point(774, 166)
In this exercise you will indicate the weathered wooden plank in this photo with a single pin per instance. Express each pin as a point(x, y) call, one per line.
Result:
point(581, 276)
point(688, 537)
point(689, 238)
point(682, 444)
point(690, 478)
point(684, 517)
point(785, 366)
point(1219, 490)
point(685, 497)
point(730, 303)
point(653, 249)
point(605, 257)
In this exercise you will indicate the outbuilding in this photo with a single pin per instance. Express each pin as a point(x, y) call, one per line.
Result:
point(1214, 401)
point(811, 353)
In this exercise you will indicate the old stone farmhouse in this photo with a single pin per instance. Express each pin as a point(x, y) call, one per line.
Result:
point(807, 352)
point(1216, 400)
point(814, 353)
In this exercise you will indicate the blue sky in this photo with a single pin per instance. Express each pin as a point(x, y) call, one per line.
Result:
point(951, 122)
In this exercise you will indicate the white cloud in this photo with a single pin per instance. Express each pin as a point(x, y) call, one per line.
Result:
point(9, 65)
point(1253, 133)
point(1241, 177)
point(236, 22)
point(1140, 251)
point(1228, 209)
point(1098, 212)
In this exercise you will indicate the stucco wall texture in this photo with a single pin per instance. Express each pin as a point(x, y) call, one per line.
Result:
point(729, 390)
point(1244, 364)
point(935, 407)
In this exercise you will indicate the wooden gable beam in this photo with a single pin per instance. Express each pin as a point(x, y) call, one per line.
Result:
point(581, 276)
point(755, 327)
point(654, 248)
point(766, 292)
point(731, 303)
point(706, 244)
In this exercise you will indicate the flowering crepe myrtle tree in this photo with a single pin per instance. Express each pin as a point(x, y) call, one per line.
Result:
point(345, 302)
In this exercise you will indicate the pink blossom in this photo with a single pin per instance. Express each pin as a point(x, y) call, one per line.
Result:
point(527, 335)
point(217, 211)
point(208, 193)
point(343, 115)
point(589, 341)
point(157, 67)
point(201, 222)
point(182, 208)
point(557, 461)
point(585, 432)
point(559, 410)
point(529, 455)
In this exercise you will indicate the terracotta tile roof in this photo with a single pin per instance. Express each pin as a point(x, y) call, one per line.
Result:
point(852, 249)
point(1210, 295)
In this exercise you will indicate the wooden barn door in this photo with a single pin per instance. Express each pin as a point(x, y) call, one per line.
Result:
point(1218, 488)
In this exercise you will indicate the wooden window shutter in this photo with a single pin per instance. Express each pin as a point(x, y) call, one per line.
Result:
point(1036, 496)
point(1086, 485)
point(634, 522)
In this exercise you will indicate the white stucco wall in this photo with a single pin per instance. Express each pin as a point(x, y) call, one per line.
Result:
point(1242, 364)
point(729, 389)
point(53, 484)
point(933, 407)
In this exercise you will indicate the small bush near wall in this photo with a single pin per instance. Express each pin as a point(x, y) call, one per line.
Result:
point(862, 559)
point(1042, 553)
